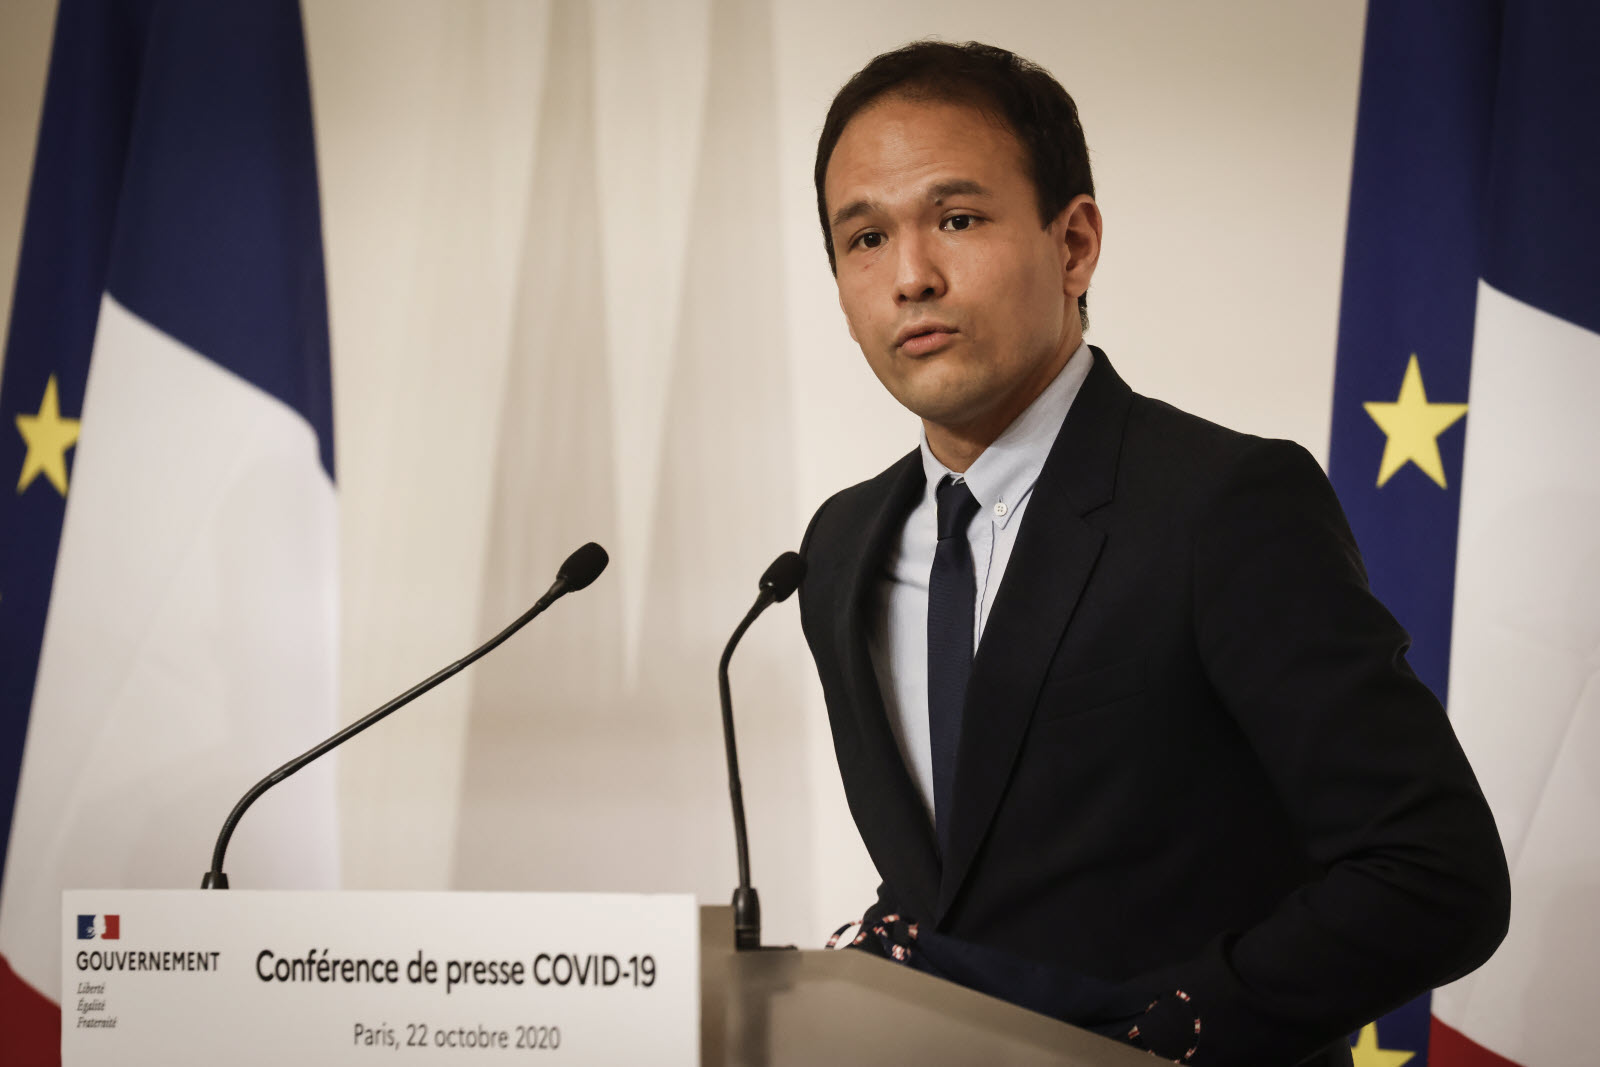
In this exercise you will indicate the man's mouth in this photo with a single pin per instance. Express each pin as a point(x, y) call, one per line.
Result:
point(921, 339)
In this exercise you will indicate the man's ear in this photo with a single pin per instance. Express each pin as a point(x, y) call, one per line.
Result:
point(847, 323)
point(1077, 231)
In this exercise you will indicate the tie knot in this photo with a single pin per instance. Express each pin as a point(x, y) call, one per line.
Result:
point(956, 505)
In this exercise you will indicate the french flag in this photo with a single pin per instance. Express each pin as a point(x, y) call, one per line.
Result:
point(168, 569)
point(1466, 451)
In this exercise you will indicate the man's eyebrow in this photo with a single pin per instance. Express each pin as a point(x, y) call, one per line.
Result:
point(853, 210)
point(956, 187)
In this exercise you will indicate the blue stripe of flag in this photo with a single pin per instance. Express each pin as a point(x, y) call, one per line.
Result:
point(219, 234)
point(176, 169)
point(1542, 243)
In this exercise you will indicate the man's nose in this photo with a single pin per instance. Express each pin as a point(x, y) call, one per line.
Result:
point(918, 276)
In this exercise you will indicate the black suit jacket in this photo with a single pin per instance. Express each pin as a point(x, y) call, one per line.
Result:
point(1192, 757)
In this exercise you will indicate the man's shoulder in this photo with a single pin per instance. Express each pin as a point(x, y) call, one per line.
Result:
point(1157, 447)
point(1194, 451)
point(1158, 425)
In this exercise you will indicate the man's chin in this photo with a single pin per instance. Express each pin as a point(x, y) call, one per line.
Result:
point(938, 402)
point(945, 416)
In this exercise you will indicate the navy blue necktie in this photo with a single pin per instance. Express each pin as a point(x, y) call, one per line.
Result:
point(952, 599)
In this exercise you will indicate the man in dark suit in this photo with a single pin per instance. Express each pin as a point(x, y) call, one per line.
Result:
point(1125, 732)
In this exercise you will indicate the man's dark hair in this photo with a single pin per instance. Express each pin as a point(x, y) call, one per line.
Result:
point(1022, 95)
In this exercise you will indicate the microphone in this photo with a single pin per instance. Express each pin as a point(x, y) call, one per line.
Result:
point(781, 578)
point(580, 568)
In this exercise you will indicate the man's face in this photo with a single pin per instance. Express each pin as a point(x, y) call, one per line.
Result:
point(957, 296)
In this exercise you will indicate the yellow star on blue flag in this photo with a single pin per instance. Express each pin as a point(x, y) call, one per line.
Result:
point(1367, 1053)
point(1413, 426)
point(48, 437)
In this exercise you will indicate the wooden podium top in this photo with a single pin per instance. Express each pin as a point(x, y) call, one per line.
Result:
point(776, 1007)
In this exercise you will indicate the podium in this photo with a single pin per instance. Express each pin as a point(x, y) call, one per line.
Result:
point(164, 978)
point(782, 1007)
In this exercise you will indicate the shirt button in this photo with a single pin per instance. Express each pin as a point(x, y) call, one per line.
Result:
point(1000, 509)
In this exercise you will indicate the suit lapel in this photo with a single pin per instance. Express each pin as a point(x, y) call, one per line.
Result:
point(1050, 565)
point(889, 812)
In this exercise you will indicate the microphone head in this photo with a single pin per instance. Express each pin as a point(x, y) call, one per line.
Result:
point(783, 576)
point(583, 566)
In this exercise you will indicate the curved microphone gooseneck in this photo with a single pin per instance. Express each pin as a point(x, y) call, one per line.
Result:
point(780, 580)
point(580, 568)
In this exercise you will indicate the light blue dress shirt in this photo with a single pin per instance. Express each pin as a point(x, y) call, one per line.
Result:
point(1002, 480)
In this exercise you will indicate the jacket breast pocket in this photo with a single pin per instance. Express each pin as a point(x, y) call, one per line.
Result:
point(1102, 687)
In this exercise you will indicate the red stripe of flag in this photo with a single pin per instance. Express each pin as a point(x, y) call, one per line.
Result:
point(1448, 1047)
point(30, 1023)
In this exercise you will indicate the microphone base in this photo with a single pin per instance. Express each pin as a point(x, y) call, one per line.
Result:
point(214, 880)
point(746, 919)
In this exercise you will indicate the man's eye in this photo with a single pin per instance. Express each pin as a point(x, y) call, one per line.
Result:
point(869, 240)
point(959, 222)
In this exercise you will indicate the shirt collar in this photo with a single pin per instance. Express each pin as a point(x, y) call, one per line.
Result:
point(1004, 473)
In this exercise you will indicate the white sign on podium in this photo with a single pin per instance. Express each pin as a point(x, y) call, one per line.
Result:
point(251, 977)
